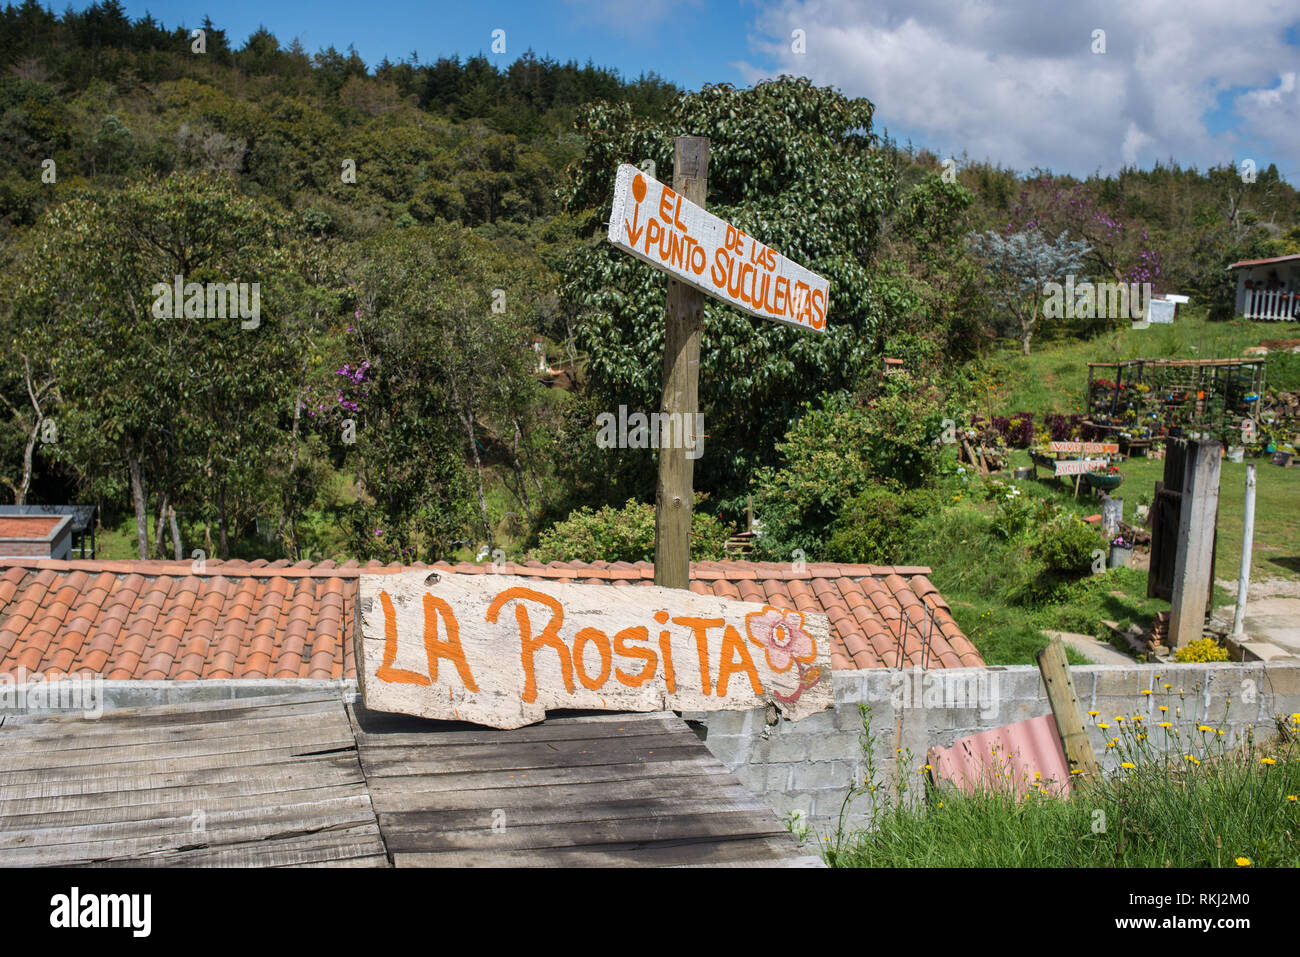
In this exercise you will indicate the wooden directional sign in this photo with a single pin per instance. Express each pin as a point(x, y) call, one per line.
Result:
point(1078, 466)
point(1086, 448)
point(500, 650)
point(662, 227)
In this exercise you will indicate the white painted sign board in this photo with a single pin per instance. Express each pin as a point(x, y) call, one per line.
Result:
point(1078, 466)
point(1086, 448)
point(663, 228)
point(1160, 310)
point(501, 650)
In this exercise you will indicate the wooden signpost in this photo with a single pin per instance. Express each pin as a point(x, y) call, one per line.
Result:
point(1086, 448)
point(500, 650)
point(1077, 466)
point(703, 255)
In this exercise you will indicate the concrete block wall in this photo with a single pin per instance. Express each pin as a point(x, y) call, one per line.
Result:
point(809, 765)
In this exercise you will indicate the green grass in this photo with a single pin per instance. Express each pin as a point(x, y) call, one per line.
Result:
point(1164, 811)
point(1054, 377)
point(1276, 549)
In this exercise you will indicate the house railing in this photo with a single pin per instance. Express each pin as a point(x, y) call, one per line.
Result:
point(1271, 304)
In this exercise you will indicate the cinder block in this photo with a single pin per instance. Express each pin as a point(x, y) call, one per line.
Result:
point(185, 692)
point(780, 777)
point(121, 695)
point(831, 746)
point(1284, 682)
point(725, 722)
point(731, 749)
point(754, 778)
point(822, 774)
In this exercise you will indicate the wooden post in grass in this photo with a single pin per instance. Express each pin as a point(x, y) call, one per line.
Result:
point(669, 228)
point(1194, 558)
point(1055, 669)
point(683, 326)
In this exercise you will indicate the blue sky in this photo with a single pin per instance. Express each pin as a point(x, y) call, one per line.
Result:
point(649, 38)
point(1018, 82)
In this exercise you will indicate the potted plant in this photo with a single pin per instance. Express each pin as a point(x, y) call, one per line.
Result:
point(1106, 479)
point(1121, 552)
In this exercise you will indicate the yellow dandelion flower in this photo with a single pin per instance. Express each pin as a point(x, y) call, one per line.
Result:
point(1168, 686)
point(1292, 798)
point(1147, 690)
point(1104, 726)
point(1166, 724)
point(1094, 713)
point(1129, 765)
point(1164, 707)
point(1203, 727)
point(1267, 761)
point(1243, 862)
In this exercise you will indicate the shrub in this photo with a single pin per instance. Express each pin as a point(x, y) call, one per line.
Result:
point(839, 451)
point(1020, 430)
point(1201, 650)
point(1065, 545)
point(624, 535)
point(874, 527)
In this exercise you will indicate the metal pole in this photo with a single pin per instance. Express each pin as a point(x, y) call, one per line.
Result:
point(1247, 539)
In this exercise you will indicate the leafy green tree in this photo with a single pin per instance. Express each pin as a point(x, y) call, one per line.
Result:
point(445, 378)
point(793, 165)
point(178, 396)
point(1018, 268)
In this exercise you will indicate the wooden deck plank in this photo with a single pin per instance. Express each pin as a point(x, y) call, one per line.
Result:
point(630, 831)
point(740, 852)
point(520, 759)
point(116, 780)
point(530, 781)
point(664, 787)
point(194, 712)
point(168, 807)
point(315, 781)
point(277, 782)
point(614, 790)
point(93, 736)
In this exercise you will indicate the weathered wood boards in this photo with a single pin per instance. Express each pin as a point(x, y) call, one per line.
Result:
point(500, 650)
point(657, 225)
point(254, 782)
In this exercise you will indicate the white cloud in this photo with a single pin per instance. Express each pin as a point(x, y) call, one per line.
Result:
point(1017, 81)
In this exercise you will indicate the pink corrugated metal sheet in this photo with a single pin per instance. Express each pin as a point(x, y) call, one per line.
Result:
point(1024, 755)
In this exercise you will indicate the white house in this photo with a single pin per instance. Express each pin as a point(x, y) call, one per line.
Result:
point(1268, 288)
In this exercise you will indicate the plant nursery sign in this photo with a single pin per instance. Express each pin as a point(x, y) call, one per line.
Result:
point(501, 650)
point(1086, 448)
point(1078, 466)
point(662, 227)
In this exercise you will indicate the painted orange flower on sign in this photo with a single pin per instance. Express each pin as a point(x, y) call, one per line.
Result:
point(781, 635)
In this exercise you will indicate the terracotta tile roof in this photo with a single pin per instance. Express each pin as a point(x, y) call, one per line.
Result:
point(1265, 262)
point(165, 620)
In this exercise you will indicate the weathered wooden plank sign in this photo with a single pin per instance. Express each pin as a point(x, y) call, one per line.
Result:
point(1086, 448)
point(659, 226)
point(1078, 466)
point(501, 650)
